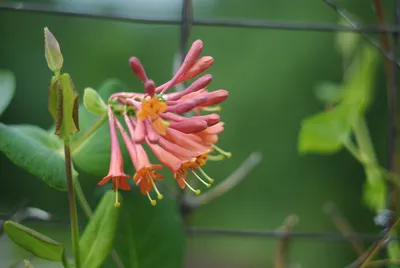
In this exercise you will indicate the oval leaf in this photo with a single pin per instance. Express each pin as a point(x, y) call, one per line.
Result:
point(34, 242)
point(33, 155)
point(96, 242)
point(93, 102)
point(7, 89)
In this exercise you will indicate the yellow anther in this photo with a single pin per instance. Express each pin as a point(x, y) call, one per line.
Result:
point(191, 188)
point(205, 175)
point(152, 201)
point(117, 204)
point(227, 154)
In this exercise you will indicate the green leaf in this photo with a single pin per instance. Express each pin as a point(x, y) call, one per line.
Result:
point(93, 102)
point(52, 51)
point(7, 89)
point(40, 135)
point(326, 132)
point(35, 153)
point(148, 236)
point(93, 155)
point(67, 122)
point(360, 79)
point(96, 242)
point(34, 242)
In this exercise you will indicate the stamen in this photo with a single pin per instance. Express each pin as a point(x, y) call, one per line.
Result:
point(212, 109)
point(205, 175)
point(216, 157)
point(116, 204)
point(200, 179)
point(197, 192)
point(159, 195)
point(227, 154)
point(152, 201)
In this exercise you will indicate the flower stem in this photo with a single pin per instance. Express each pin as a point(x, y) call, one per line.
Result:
point(81, 140)
point(72, 204)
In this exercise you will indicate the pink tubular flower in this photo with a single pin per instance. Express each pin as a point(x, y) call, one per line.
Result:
point(145, 175)
point(158, 118)
point(116, 171)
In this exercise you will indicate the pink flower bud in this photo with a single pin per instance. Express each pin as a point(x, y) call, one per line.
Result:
point(190, 125)
point(137, 68)
point(200, 83)
point(193, 53)
point(215, 97)
point(200, 66)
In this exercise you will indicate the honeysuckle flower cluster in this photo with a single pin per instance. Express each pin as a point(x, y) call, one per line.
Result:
point(183, 144)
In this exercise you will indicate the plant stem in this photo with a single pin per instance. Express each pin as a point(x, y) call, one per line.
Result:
point(65, 261)
point(72, 204)
point(81, 140)
point(379, 245)
point(89, 213)
point(364, 142)
point(391, 85)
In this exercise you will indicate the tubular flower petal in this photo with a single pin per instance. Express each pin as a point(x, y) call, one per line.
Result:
point(116, 170)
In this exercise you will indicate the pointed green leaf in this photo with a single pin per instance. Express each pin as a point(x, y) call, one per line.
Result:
point(67, 122)
point(34, 242)
point(97, 239)
point(148, 236)
point(34, 150)
point(52, 51)
point(93, 156)
point(325, 132)
point(360, 79)
point(93, 102)
point(7, 89)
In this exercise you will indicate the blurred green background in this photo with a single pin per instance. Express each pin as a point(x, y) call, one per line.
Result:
point(270, 76)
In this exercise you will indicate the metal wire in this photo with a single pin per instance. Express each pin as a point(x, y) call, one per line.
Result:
point(264, 24)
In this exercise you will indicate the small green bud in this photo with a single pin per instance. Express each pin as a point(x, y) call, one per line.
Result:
point(93, 102)
point(52, 51)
